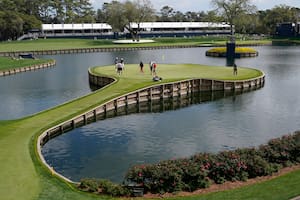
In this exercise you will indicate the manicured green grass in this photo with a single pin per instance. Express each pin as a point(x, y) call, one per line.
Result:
point(57, 44)
point(24, 177)
point(9, 63)
point(176, 72)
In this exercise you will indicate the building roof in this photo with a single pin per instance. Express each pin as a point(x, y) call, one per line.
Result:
point(94, 26)
point(180, 25)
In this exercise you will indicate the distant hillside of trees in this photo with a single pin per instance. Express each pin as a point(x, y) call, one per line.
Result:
point(19, 16)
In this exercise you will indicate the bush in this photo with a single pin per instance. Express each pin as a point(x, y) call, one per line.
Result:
point(90, 185)
point(195, 176)
point(103, 187)
point(283, 151)
point(115, 190)
point(255, 164)
point(227, 166)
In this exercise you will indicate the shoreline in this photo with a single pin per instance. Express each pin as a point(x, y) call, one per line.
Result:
point(33, 67)
point(114, 49)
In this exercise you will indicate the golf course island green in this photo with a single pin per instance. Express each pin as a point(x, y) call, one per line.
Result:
point(175, 72)
point(240, 52)
point(24, 175)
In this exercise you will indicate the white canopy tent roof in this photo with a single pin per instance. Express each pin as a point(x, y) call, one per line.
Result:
point(94, 26)
point(151, 25)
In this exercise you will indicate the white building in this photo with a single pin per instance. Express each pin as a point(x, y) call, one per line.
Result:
point(182, 27)
point(79, 29)
point(147, 29)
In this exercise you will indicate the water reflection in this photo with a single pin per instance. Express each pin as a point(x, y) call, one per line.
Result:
point(230, 61)
point(143, 134)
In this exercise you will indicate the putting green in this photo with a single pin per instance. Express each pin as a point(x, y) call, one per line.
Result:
point(179, 71)
point(22, 174)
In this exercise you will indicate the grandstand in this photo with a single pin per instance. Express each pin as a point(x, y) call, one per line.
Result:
point(146, 30)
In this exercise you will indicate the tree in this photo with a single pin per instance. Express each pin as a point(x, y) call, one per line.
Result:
point(30, 22)
point(178, 17)
point(121, 15)
point(11, 25)
point(279, 14)
point(114, 12)
point(166, 14)
point(211, 16)
point(17, 16)
point(247, 24)
point(231, 10)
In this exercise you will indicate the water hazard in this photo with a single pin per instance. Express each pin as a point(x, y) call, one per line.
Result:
point(106, 148)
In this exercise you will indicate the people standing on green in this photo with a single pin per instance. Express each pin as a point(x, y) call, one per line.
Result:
point(151, 66)
point(141, 67)
point(120, 66)
point(234, 69)
point(154, 69)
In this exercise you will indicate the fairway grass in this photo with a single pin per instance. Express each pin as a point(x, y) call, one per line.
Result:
point(24, 177)
point(59, 44)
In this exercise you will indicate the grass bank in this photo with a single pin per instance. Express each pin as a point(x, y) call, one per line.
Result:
point(59, 44)
point(9, 63)
point(24, 177)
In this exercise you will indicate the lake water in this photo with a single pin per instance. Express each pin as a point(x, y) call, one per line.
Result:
point(105, 149)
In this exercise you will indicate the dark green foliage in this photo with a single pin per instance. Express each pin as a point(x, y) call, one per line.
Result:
point(103, 187)
point(115, 190)
point(90, 185)
point(284, 151)
point(255, 164)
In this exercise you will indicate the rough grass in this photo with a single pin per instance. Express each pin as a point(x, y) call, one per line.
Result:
point(24, 177)
point(9, 63)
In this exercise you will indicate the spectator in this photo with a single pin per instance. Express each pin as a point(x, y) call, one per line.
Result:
point(141, 67)
point(234, 69)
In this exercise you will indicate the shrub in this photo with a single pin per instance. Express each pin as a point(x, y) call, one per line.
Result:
point(255, 164)
point(163, 177)
point(283, 151)
point(169, 176)
point(115, 190)
point(195, 176)
point(103, 187)
point(227, 166)
point(90, 185)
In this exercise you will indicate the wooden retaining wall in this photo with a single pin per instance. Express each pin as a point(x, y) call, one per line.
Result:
point(27, 68)
point(92, 50)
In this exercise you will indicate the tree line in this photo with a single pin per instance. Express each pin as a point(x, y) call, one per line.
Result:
point(19, 16)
